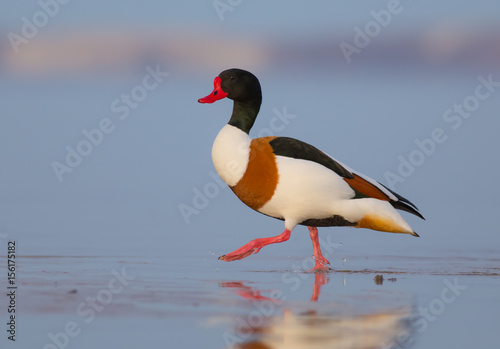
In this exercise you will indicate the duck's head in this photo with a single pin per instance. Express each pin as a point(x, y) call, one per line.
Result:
point(239, 85)
point(244, 89)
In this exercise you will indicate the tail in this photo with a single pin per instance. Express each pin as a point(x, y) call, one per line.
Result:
point(382, 216)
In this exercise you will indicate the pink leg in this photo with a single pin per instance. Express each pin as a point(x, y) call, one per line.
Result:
point(254, 246)
point(321, 262)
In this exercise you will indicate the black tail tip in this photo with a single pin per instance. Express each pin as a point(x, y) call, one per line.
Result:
point(415, 234)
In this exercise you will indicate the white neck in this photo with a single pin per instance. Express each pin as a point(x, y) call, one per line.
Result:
point(230, 153)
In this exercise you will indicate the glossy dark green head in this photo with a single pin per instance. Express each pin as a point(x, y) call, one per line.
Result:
point(241, 86)
point(244, 89)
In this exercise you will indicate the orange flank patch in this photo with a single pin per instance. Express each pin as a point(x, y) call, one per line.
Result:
point(379, 223)
point(257, 185)
point(365, 188)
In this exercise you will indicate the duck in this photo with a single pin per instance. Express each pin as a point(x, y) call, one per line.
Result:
point(293, 181)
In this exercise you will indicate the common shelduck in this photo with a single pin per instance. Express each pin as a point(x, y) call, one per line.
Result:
point(291, 180)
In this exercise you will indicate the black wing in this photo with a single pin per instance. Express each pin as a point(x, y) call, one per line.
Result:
point(293, 148)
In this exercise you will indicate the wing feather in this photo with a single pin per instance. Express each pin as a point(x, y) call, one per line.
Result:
point(363, 186)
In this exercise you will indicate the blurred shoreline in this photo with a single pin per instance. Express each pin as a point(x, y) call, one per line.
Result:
point(116, 51)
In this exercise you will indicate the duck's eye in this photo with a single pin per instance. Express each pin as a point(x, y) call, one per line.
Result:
point(232, 77)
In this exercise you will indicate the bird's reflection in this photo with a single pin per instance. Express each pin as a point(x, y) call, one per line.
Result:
point(320, 279)
point(376, 320)
point(252, 293)
point(246, 292)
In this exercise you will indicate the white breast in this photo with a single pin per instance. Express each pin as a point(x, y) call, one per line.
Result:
point(230, 153)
